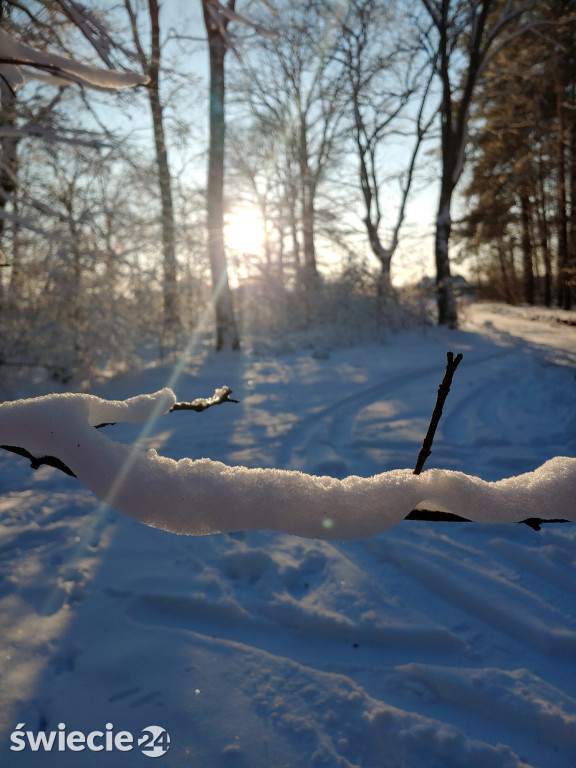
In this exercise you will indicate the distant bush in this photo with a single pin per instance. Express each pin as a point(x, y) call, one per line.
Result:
point(343, 310)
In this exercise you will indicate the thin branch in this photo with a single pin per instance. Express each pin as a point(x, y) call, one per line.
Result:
point(428, 515)
point(221, 395)
point(36, 462)
point(451, 364)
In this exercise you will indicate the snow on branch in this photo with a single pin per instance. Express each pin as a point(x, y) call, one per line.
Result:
point(18, 58)
point(198, 497)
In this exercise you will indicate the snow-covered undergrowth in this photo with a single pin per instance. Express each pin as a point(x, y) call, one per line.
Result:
point(428, 646)
point(342, 312)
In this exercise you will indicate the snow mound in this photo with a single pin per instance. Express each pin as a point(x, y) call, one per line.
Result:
point(198, 497)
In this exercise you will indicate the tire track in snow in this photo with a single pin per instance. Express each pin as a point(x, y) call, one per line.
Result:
point(331, 426)
point(492, 610)
point(485, 594)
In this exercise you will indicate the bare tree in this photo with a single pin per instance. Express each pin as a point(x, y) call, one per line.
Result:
point(294, 87)
point(386, 83)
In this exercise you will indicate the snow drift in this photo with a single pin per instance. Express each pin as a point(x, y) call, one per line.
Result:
point(198, 497)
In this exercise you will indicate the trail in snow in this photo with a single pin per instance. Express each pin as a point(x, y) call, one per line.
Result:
point(431, 645)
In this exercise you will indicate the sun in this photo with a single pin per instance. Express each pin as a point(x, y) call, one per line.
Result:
point(244, 230)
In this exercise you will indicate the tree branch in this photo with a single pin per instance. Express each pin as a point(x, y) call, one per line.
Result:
point(428, 515)
point(451, 364)
point(36, 463)
point(221, 395)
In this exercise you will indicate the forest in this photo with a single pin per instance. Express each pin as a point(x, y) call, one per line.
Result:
point(254, 173)
point(307, 208)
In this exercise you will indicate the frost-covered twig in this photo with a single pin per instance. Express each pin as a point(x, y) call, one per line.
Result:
point(451, 364)
point(221, 395)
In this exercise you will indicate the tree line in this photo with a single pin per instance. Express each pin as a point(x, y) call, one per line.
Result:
point(327, 119)
point(523, 233)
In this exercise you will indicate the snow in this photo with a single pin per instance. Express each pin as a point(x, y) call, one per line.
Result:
point(431, 644)
point(61, 70)
point(199, 497)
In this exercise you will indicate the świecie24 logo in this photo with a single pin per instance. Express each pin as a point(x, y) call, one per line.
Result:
point(155, 742)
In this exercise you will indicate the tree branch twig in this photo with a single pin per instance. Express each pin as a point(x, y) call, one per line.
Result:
point(451, 364)
point(221, 395)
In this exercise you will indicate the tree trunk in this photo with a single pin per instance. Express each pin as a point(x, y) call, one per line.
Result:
point(527, 249)
point(384, 256)
point(9, 151)
point(447, 309)
point(226, 330)
point(293, 222)
point(572, 166)
point(169, 287)
point(8, 175)
point(501, 257)
point(564, 289)
point(309, 269)
point(544, 239)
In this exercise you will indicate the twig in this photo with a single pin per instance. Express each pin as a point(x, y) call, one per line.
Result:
point(221, 395)
point(451, 364)
point(434, 516)
point(36, 462)
point(448, 517)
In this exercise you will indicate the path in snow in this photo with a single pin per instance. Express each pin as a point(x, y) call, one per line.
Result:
point(428, 646)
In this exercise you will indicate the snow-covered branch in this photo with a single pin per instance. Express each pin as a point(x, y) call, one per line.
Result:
point(19, 61)
point(198, 497)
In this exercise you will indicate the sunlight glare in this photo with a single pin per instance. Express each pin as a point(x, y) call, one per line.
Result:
point(244, 230)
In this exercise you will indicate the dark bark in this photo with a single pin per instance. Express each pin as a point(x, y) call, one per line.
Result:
point(293, 224)
point(447, 307)
point(9, 152)
point(572, 183)
point(528, 269)
point(447, 517)
point(564, 287)
point(509, 295)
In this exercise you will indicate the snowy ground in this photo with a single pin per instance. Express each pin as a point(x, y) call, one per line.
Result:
point(431, 646)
